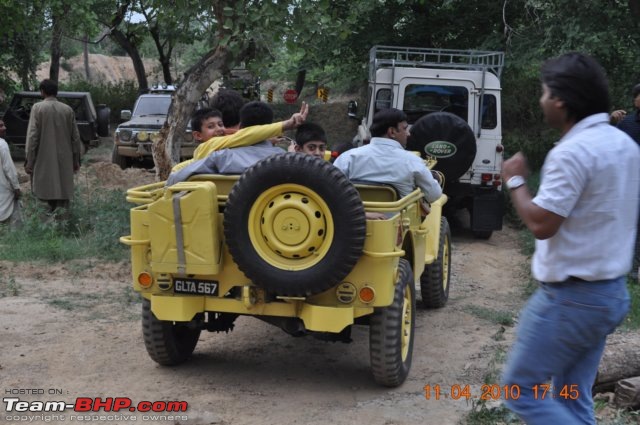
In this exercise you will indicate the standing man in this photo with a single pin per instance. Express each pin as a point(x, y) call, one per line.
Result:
point(584, 220)
point(53, 149)
point(9, 185)
point(630, 124)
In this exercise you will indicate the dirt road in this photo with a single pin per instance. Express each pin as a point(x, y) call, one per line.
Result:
point(73, 330)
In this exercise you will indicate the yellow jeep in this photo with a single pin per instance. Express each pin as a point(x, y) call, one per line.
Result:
point(287, 242)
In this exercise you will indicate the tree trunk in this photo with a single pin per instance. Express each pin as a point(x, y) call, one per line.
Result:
point(621, 360)
point(132, 50)
point(628, 393)
point(56, 51)
point(165, 62)
point(124, 41)
point(164, 58)
point(87, 70)
point(166, 151)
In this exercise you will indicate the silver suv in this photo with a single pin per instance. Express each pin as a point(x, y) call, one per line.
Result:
point(134, 137)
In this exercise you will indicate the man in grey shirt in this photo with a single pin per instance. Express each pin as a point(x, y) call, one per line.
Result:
point(236, 160)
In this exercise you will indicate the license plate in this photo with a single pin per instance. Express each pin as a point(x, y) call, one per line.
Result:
point(195, 286)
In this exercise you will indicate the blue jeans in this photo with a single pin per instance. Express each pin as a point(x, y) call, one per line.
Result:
point(560, 340)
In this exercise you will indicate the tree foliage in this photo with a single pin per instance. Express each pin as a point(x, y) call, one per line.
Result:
point(331, 40)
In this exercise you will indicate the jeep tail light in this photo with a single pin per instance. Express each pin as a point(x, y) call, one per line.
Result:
point(145, 279)
point(486, 177)
point(366, 294)
point(499, 148)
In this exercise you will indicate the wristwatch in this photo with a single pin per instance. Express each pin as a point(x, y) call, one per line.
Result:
point(515, 182)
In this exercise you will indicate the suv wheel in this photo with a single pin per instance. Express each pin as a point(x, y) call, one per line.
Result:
point(391, 331)
point(168, 343)
point(294, 224)
point(119, 160)
point(435, 280)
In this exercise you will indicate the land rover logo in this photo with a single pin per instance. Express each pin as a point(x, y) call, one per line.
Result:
point(440, 149)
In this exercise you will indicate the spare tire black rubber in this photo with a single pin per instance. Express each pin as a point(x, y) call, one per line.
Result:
point(294, 224)
point(104, 115)
point(448, 138)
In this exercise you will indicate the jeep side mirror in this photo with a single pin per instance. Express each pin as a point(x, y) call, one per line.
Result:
point(125, 115)
point(352, 109)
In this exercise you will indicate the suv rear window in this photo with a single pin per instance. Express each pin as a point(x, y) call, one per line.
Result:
point(422, 99)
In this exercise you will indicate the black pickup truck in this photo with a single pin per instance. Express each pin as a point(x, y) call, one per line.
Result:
point(92, 122)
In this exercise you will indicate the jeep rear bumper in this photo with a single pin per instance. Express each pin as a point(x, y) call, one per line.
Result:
point(315, 317)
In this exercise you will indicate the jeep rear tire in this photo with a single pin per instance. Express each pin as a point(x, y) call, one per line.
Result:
point(391, 332)
point(168, 343)
point(294, 224)
point(436, 278)
point(459, 142)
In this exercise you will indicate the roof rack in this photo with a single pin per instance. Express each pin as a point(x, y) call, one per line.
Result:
point(420, 57)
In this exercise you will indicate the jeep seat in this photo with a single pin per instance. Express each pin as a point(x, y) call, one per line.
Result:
point(376, 192)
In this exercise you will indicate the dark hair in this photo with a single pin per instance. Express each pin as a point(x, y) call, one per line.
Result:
point(580, 82)
point(635, 91)
point(49, 87)
point(255, 113)
point(310, 132)
point(384, 119)
point(202, 115)
point(228, 102)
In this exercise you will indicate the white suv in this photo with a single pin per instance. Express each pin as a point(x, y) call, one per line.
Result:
point(452, 100)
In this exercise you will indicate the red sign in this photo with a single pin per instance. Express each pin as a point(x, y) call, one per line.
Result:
point(290, 96)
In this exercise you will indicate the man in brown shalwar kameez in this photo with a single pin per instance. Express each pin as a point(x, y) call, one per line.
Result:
point(53, 149)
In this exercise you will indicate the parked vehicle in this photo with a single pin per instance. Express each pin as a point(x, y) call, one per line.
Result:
point(93, 122)
point(452, 100)
point(134, 137)
point(287, 243)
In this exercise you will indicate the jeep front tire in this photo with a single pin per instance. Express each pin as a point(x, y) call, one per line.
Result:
point(435, 280)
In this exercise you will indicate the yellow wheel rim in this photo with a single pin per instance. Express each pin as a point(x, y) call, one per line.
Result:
point(406, 321)
point(445, 263)
point(291, 227)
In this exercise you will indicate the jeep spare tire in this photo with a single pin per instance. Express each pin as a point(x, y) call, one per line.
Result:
point(448, 138)
point(294, 224)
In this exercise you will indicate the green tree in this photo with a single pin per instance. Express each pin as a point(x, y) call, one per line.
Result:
point(21, 39)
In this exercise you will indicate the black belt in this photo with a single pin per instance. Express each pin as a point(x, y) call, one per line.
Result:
point(576, 279)
point(565, 282)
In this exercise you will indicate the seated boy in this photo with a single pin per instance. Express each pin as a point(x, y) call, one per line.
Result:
point(233, 160)
point(310, 139)
point(206, 123)
point(246, 136)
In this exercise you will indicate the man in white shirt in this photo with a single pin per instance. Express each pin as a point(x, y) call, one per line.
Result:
point(584, 220)
point(385, 159)
point(9, 185)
